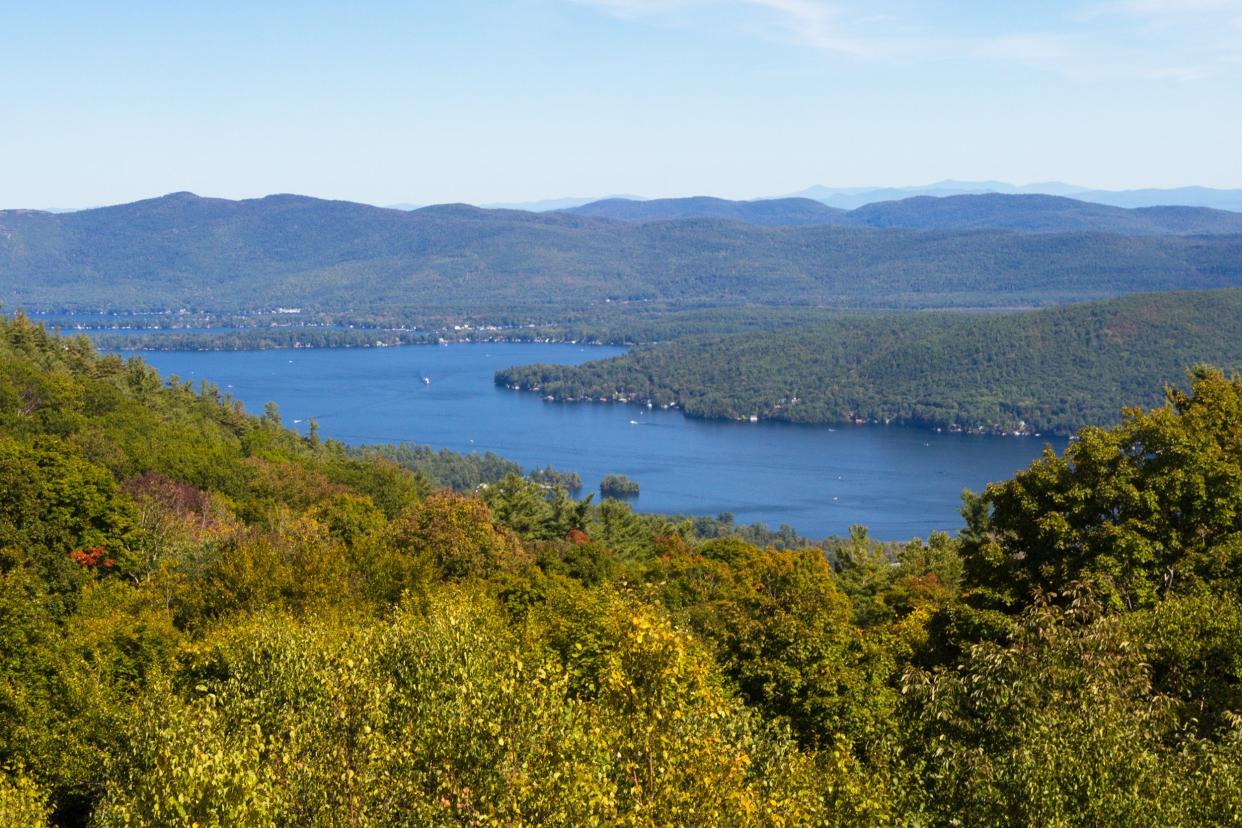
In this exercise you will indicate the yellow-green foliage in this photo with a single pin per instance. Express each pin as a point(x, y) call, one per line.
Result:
point(22, 804)
point(450, 717)
point(783, 630)
point(208, 620)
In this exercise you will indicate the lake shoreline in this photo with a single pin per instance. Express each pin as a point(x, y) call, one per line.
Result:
point(112, 340)
point(937, 427)
point(900, 482)
point(648, 405)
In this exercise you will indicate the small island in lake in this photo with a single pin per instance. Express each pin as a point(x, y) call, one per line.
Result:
point(618, 485)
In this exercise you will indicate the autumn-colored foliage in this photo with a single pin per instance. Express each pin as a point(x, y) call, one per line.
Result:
point(456, 533)
point(288, 634)
point(94, 557)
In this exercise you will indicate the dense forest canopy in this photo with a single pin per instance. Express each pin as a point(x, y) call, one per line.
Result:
point(182, 251)
point(207, 619)
point(1053, 370)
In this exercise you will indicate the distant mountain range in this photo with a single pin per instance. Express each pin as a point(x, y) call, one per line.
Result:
point(848, 198)
point(1019, 213)
point(776, 212)
point(182, 250)
point(542, 206)
point(549, 204)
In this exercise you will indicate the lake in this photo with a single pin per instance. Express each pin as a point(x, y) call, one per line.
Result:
point(899, 482)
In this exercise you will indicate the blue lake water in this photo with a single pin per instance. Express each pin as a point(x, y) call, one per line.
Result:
point(899, 482)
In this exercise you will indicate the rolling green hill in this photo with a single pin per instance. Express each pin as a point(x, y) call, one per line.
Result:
point(1052, 370)
point(185, 251)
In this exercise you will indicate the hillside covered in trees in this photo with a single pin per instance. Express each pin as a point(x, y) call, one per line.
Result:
point(209, 620)
point(1052, 370)
point(183, 251)
point(1027, 213)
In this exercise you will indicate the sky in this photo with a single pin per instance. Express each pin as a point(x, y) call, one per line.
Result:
point(516, 100)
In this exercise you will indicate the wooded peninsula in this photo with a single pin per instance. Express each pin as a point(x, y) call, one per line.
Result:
point(1049, 371)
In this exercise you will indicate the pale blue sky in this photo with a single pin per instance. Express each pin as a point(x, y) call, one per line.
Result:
point(497, 100)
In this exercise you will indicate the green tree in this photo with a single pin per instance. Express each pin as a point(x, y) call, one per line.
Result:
point(1147, 509)
point(1062, 726)
point(784, 632)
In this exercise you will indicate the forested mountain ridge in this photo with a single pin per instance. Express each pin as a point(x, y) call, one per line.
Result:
point(1041, 214)
point(206, 619)
point(185, 251)
point(1053, 370)
point(849, 198)
point(1028, 213)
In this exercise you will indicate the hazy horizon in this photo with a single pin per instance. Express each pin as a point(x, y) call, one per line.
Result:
point(1072, 190)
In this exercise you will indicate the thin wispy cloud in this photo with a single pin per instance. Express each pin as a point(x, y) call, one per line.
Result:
point(814, 23)
point(841, 28)
point(1026, 47)
point(1184, 40)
